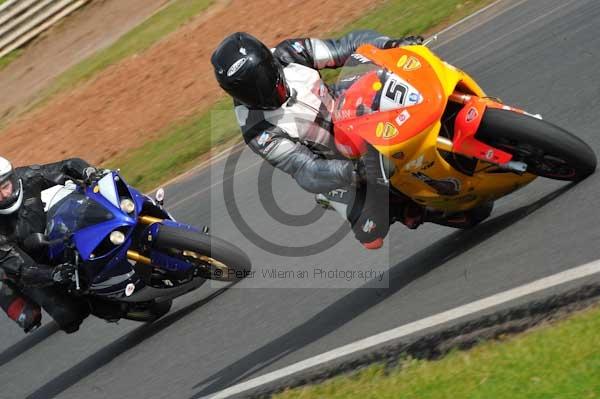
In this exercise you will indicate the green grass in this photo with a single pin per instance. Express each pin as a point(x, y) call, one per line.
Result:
point(10, 57)
point(178, 147)
point(558, 361)
point(399, 18)
point(135, 41)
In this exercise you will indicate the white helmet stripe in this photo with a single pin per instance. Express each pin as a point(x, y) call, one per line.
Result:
point(5, 168)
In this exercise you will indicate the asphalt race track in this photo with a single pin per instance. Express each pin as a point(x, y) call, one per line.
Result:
point(541, 56)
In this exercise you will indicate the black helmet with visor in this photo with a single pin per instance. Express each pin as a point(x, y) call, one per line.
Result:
point(246, 69)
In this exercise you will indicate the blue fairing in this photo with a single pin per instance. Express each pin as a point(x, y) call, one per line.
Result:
point(183, 226)
point(138, 198)
point(88, 217)
point(84, 218)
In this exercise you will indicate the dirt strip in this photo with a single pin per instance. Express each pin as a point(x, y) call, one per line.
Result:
point(129, 103)
point(84, 32)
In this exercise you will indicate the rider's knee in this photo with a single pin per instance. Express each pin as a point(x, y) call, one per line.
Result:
point(19, 308)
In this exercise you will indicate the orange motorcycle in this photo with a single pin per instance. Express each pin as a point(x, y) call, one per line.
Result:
point(452, 148)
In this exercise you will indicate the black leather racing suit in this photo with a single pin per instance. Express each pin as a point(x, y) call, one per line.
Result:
point(297, 138)
point(24, 286)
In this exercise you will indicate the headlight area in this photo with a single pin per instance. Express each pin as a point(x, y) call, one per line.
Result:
point(114, 240)
point(117, 237)
point(127, 205)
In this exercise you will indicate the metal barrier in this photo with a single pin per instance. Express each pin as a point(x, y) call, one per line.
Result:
point(22, 20)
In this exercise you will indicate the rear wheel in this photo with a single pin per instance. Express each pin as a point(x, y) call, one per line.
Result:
point(548, 150)
point(218, 259)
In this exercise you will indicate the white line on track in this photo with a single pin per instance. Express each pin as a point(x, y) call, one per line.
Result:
point(520, 28)
point(483, 21)
point(477, 13)
point(428, 322)
point(414, 327)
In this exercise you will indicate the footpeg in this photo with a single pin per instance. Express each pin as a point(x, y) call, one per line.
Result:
point(514, 166)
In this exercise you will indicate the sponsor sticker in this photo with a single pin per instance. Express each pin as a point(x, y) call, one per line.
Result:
point(236, 66)
point(402, 118)
point(489, 154)
point(129, 289)
point(386, 131)
point(401, 61)
point(243, 51)
point(413, 98)
point(412, 64)
point(472, 114)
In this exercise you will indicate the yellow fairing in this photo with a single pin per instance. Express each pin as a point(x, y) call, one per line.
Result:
point(449, 76)
point(420, 159)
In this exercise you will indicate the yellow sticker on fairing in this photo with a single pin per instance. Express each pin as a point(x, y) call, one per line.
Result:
point(386, 131)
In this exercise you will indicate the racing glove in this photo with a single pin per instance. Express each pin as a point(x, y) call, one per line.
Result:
point(404, 41)
point(43, 276)
point(63, 273)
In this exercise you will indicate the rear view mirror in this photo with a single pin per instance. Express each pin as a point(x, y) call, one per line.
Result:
point(160, 196)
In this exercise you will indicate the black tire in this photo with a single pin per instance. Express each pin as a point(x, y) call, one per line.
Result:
point(220, 252)
point(548, 150)
point(153, 312)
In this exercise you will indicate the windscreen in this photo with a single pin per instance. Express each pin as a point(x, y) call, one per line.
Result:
point(75, 212)
point(364, 88)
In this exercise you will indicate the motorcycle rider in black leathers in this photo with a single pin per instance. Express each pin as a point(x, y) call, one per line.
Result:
point(284, 111)
point(26, 283)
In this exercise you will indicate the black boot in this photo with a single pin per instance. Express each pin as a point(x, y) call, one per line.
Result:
point(68, 312)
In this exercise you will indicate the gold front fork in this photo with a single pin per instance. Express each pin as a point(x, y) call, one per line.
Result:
point(136, 256)
point(148, 220)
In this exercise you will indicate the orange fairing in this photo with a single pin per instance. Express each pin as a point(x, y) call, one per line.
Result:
point(466, 125)
point(411, 75)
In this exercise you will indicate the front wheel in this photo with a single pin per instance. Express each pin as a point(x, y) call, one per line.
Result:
point(548, 150)
point(218, 259)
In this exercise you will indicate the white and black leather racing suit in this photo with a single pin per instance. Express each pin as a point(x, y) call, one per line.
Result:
point(25, 284)
point(297, 138)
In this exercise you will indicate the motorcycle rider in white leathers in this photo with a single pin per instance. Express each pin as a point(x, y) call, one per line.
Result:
point(284, 110)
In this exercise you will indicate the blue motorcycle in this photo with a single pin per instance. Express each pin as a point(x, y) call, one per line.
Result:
point(131, 257)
